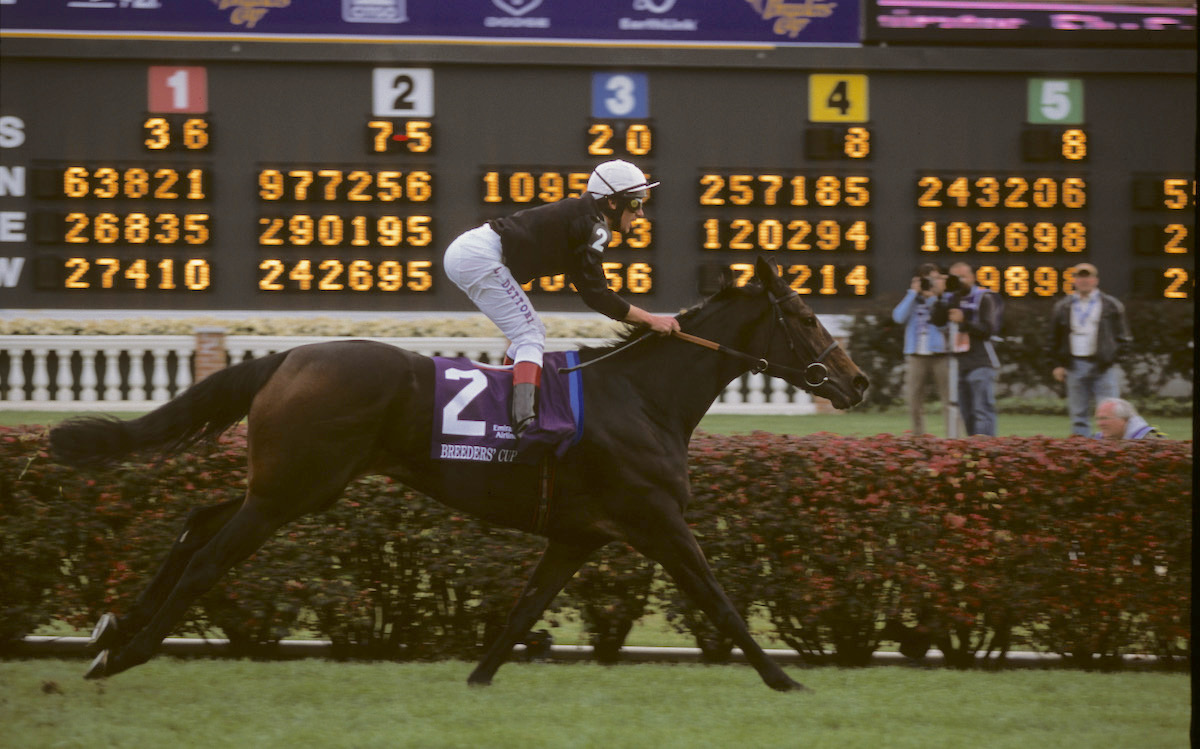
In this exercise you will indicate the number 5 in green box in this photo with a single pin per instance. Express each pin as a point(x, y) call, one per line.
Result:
point(1055, 101)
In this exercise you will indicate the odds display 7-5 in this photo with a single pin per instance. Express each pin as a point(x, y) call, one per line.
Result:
point(238, 183)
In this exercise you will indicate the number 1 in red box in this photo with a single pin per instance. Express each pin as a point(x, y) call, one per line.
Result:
point(178, 89)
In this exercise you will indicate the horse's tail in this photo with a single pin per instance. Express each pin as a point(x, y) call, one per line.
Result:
point(203, 411)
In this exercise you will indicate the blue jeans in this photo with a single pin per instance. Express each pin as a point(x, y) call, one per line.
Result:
point(1087, 385)
point(977, 400)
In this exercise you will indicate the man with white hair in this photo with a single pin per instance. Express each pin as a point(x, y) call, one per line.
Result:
point(1117, 419)
point(569, 236)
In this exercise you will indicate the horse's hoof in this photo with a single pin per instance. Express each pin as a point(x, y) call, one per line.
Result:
point(788, 684)
point(478, 681)
point(99, 667)
point(104, 634)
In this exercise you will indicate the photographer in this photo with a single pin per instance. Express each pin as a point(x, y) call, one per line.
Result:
point(924, 344)
point(973, 310)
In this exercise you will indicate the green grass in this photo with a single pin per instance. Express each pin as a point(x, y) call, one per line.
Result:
point(9, 418)
point(896, 421)
point(850, 423)
point(652, 630)
point(200, 703)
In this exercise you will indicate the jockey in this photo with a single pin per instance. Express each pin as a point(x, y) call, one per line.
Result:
point(569, 236)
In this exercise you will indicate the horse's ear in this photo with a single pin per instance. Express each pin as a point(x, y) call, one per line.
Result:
point(766, 272)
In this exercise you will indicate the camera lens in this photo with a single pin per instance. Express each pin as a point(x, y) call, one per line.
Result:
point(926, 284)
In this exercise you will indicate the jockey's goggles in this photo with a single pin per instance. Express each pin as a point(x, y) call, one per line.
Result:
point(634, 202)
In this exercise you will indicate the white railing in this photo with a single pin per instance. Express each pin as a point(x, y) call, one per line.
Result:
point(54, 372)
point(138, 373)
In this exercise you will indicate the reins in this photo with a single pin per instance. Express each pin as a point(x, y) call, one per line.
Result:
point(814, 374)
point(614, 352)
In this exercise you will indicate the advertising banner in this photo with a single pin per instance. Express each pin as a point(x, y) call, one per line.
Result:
point(636, 22)
point(1061, 23)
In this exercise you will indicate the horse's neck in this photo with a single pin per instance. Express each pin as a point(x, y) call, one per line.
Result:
point(679, 381)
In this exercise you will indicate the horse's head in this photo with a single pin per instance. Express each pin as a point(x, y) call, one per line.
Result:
point(801, 350)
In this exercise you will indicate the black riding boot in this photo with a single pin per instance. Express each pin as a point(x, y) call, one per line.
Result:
point(527, 376)
point(524, 406)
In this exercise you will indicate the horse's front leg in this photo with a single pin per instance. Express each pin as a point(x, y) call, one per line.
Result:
point(558, 564)
point(674, 547)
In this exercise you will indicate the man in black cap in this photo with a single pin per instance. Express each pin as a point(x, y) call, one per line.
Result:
point(1089, 334)
point(972, 309)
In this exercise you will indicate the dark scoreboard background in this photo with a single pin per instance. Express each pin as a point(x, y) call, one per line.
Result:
point(218, 176)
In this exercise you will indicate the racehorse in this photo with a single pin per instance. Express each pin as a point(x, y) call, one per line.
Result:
point(323, 414)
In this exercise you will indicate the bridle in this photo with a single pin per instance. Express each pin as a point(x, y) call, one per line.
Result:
point(815, 374)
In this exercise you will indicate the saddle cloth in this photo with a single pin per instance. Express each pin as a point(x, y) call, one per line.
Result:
point(471, 414)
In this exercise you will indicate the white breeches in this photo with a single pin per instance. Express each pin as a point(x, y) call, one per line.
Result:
point(473, 262)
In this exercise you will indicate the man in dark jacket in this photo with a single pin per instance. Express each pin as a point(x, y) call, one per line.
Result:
point(973, 309)
point(1089, 334)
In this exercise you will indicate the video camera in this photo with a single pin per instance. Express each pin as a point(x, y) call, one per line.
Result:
point(953, 285)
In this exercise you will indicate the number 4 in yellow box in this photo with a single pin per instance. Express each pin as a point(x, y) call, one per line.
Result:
point(837, 97)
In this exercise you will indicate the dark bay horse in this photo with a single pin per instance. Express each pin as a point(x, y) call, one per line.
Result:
point(324, 414)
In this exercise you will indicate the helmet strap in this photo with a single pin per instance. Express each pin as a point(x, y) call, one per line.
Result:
point(612, 214)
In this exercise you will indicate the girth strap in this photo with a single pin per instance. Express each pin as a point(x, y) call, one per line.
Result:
point(545, 493)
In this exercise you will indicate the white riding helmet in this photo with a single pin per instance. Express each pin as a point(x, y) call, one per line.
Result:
point(618, 178)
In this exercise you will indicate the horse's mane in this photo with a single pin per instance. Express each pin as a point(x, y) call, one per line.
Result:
point(631, 332)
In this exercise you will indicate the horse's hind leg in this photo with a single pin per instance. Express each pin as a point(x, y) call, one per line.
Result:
point(558, 564)
point(201, 525)
point(674, 547)
point(237, 539)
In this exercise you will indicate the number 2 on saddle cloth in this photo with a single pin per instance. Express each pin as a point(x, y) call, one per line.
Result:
point(471, 412)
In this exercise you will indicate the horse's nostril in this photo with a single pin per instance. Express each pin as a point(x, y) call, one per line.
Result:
point(861, 382)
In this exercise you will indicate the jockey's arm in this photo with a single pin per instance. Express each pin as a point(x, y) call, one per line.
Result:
point(662, 324)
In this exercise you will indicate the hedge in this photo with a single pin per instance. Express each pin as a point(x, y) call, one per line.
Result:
point(1076, 546)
